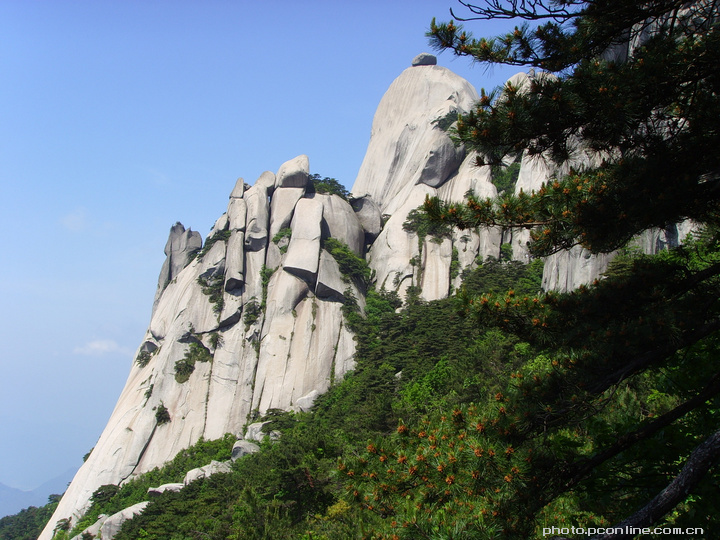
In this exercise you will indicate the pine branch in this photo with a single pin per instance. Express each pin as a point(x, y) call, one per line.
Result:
point(629, 439)
point(530, 10)
point(701, 459)
point(645, 360)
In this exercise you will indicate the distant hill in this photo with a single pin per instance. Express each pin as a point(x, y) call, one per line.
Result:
point(12, 500)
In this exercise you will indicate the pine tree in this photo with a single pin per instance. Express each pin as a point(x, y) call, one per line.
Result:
point(616, 422)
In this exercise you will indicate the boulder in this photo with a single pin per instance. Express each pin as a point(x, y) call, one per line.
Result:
point(340, 222)
point(407, 145)
point(265, 182)
point(306, 402)
point(566, 270)
point(273, 255)
point(436, 258)
point(238, 190)
point(254, 432)
point(304, 250)
point(441, 162)
point(180, 246)
point(221, 224)
point(175, 487)
point(214, 467)
point(293, 173)
point(111, 526)
point(282, 206)
point(390, 254)
point(298, 344)
point(94, 529)
point(237, 214)
point(235, 261)
point(424, 59)
point(258, 212)
point(368, 215)
point(213, 262)
point(330, 282)
point(243, 448)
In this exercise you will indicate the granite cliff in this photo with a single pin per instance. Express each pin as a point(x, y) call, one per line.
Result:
point(250, 320)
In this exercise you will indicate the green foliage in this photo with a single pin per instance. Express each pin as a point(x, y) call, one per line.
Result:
point(352, 266)
point(466, 456)
point(252, 312)
point(506, 410)
point(265, 275)
point(610, 347)
point(454, 264)
point(506, 252)
point(327, 185)
point(219, 236)
point(135, 490)
point(380, 303)
point(495, 276)
point(287, 490)
point(418, 222)
point(183, 370)
point(104, 493)
point(162, 415)
point(143, 358)
point(215, 340)
point(505, 178)
point(275, 493)
point(446, 122)
point(184, 367)
point(213, 288)
point(29, 522)
point(351, 310)
point(648, 115)
point(283, 236)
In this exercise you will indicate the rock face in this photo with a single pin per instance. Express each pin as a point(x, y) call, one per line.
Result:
point(408, 144)
point(178, 250)
point(263, 297)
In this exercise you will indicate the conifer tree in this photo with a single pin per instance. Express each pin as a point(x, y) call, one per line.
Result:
point(616, 421)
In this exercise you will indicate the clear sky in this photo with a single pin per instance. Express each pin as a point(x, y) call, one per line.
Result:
point(119, 118)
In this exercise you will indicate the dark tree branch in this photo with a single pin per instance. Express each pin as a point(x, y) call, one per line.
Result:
point(649, 358)
point(626, 441)
point(530, 10)
point(701, 459)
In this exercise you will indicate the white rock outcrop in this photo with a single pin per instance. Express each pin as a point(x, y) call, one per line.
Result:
point(407, 143)
point(214, 467)
point(111, 526)
point(243, 448)
point(303, 252)
point(172, 487)
point(180, 246)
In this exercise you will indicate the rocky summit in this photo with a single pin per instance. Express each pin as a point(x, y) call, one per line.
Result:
point(251, 319)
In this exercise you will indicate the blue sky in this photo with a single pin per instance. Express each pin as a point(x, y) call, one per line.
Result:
point(119, 118)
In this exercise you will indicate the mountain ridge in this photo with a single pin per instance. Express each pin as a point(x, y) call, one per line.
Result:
point(252, 320)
